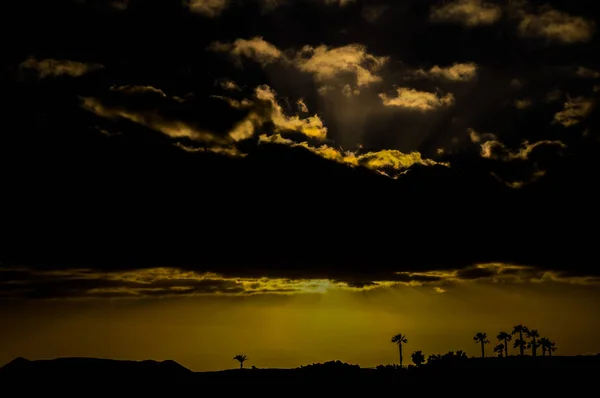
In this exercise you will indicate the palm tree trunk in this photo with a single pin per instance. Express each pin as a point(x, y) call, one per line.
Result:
point(533, 348)
point(400, 352)
point(241, 365)
point(521, 349)
point(550, 352)
point(505, 348)
point(543, 351)
point(482, 350)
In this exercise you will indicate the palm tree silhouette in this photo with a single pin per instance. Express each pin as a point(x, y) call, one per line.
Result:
point(481, 338)
point(547, 346)
point(543, 345)
point(241, 358)
point(533, 344)
point(521, 345)
point(551, 348)
point(399, 339)
point(499, 349)
point(520, 329)
point(505, 338)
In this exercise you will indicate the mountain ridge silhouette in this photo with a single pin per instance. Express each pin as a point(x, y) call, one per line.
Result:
point(88, 365)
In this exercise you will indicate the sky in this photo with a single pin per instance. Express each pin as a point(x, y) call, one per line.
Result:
point(297, 180)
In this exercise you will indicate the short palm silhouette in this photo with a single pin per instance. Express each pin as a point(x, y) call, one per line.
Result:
point(534, 343)
point(551, 347)
point(547, 346)
point(543, 345)
point(399, 339)
point(481, 338)
point(241, 358)
point(499, 349)
point(520, 329)
point(504, 338)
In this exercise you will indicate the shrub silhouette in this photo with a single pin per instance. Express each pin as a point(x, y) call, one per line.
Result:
point(418, 358)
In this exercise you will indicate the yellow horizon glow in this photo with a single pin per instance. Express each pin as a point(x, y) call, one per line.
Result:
point(288, 330)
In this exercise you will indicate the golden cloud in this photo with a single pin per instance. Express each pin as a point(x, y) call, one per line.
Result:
point(326, 63)
point(409, 98)
point(149, 283)
point(517, 184)
point(209, 8)
point(389, 162)
point(302, 106)
point(491, 148)
point(575, 110)
point(341, 3)
point(373, 12)
point(523, 103)
point(476, 137)
point(230, 151)
point(170, 282)
point(120, 5)
point(152, 120)
point(58, 67)
point(265, 108)
point(255, 48)
point(587, 73)
point(466, 12)
point(556, 26)
point(459, 72)
point(229, 85)
point(132, 90)
point(495, 273)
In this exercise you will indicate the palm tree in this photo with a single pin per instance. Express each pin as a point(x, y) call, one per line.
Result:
point(499, 349)
point(241, 358)
point(544, 344)
point(520, 344)
point(505, 338)
point(399, 339)
point(520, 329)
point(551, 348)
point(481, 338)
point(533, 344)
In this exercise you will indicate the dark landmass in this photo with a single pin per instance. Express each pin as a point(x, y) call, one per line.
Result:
point(516, 374)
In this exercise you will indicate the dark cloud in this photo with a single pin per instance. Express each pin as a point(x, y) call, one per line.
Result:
point(30, 283)
point(421, 144)
point(33, 284)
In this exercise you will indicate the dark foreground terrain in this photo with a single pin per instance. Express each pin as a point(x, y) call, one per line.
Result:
point(466, 376)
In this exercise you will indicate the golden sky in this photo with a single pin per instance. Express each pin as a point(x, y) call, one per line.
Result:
point(325, 322)
point(214, 177)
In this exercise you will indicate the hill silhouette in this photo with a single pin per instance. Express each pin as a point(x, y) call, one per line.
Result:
point(87, 369)
point(448, 373)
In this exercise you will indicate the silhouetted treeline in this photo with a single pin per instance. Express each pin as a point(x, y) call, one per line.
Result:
point(454, 370)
